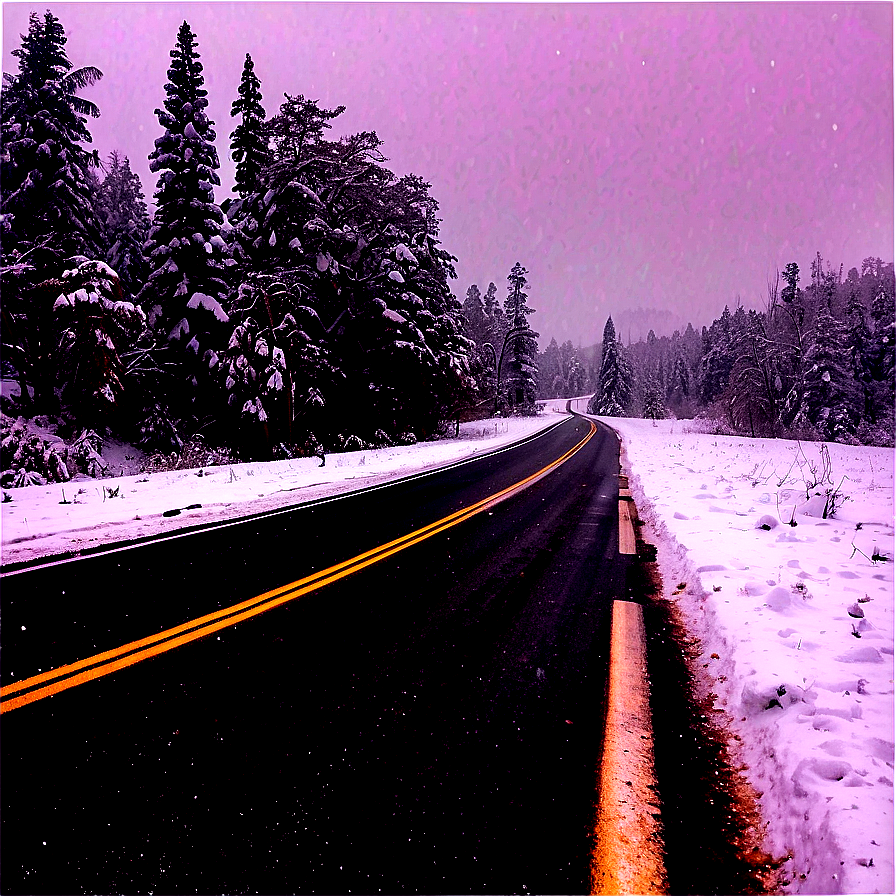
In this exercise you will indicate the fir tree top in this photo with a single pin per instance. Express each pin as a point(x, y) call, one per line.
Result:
point(249, 145)
point(185, 75)
point(515, 304)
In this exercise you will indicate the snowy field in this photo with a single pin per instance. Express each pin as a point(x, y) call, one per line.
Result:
point(57, 518)
point(796, 625)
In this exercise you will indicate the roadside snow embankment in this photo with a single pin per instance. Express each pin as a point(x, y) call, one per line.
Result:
point(43, 520)
point(794, 613)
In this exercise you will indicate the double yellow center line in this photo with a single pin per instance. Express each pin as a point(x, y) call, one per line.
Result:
point(47, 684)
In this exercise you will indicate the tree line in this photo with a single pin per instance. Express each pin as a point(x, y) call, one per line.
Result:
point(310, 311)
point(816, 362)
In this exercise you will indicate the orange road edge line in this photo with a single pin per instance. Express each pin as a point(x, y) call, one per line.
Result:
point(627, 543)
point(110, 661)
point(628, 854)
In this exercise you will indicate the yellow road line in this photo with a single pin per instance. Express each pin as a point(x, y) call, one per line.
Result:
point(628, 852)
point(68, 676)
point(627, 543)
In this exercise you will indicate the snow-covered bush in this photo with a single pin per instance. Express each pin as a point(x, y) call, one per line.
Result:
point(85, 453)
point(381, 439)
point(26, 458)
point(158, 431)
point(193, 454)
point(350, 443)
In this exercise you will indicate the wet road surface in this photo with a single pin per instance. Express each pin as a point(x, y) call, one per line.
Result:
point(431, 723)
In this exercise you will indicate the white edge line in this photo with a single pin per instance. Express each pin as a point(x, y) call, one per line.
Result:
point(222, 524)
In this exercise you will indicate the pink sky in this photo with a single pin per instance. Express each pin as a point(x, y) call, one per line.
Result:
point(657, 155)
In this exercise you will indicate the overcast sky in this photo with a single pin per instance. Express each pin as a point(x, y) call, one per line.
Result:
point(656, 155)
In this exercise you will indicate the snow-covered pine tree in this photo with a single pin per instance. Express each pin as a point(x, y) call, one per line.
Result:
point(654, 406)
point(273, 373)
point(678, 388)
point(249, 146)
point(359, 249)
point(575, 377)
point(44, 189)
point(859, 349)
point(520, 380)
point(718, 358)
point(831, 400)
point(46, 209)
point(789, 329)
point(474, 314)
point(97, 325)
point(883, 315)
point(550, 383)
point(121, 209)
point(496, 323)
point(615, 386)
point(185, 293)
point(273, 224)
point(408, 323)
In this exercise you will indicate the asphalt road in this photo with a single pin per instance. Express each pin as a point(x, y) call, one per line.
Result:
point(430, 723)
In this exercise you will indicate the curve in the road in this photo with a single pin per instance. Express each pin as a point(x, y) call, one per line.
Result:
point(54, 681)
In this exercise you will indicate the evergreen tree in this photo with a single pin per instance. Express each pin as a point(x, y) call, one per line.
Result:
point(550, 383)
point(97, 325)
point(575, 377)
point(474, 314)
point(614, 393)
point(654, 406)
point(859, 349)
point(883, 315)
point(249, 148)
point(358, 249)
point(46, 207)
point(483, 359)
point(185, 294)
point(121, 209)
point(274, 374)
point(718, 358)
point(520, 382)
point(44, 184)
point(830, 398)
point(788, 328)
point(496, 326)
point(678, 390)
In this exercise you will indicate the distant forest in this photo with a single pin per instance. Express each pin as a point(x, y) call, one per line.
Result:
point(311, 311)
point(817, 362)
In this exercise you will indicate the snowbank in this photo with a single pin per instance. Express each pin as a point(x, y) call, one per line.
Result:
point(796, 625)
point(42, 520)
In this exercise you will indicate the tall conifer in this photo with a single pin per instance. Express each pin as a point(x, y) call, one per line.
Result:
point(521, 380)
point(248, 142)
point(186, 290)
point(44, 186)
point(615, 387)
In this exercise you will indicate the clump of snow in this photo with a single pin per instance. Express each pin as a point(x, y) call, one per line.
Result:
point(805, 680)
point(201, 300)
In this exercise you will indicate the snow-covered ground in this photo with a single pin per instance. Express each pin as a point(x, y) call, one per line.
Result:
point(796, 627)
point(795, 621)
point(41, 520)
